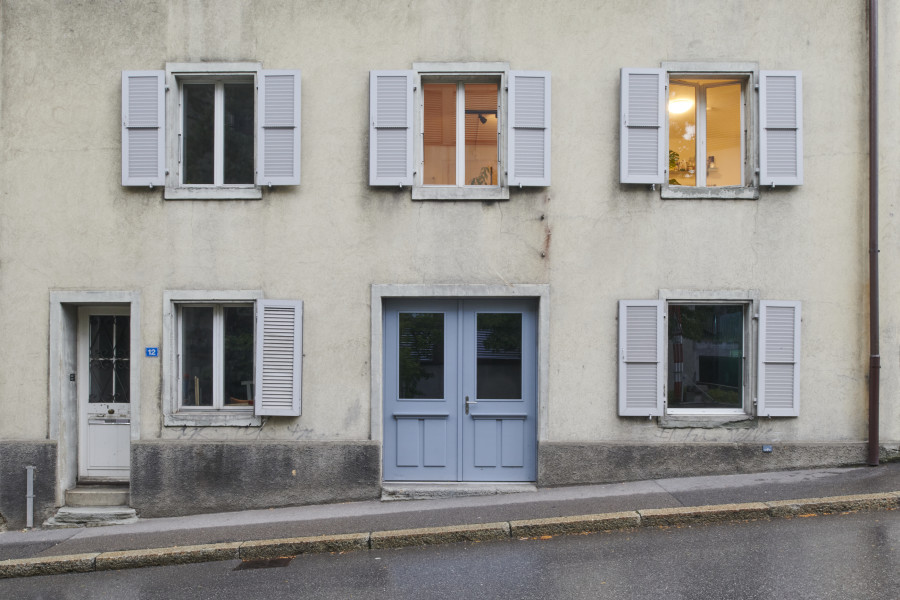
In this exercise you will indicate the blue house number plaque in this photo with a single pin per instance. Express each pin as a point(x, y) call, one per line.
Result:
point(152, 352)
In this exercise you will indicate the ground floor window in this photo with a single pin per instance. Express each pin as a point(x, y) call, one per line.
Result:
point(705, 356)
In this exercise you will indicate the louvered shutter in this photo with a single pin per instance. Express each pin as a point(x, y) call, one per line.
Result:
point(780, 128)
point(278, 146)
point(143, 128)
point(641, 357)
point(391, 131)
point(778, 388)
point(529, 128)
point(279, 351)
point(642, 145)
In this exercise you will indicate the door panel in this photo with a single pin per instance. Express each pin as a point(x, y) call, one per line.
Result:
point(104, 394)
point(460, 390)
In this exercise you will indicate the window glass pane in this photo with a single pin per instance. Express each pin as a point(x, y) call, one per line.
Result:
point(682, 134)
point(199, 133)
point(481, 133)
point(239, 133)
point(421, 355)
point(197, 356)
point(108, 369)
point(440, 134)
point(499, 368)
point(723, 135)
point(237, 374)
point(706, 344)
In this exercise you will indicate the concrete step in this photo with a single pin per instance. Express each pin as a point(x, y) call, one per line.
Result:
point(416, 490)
point(98, 495)
point(91, 516)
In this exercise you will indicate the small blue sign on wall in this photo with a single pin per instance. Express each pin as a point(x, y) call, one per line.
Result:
point(152, 352)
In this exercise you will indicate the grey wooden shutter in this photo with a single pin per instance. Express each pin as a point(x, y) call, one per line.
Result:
point(391, 127)
point(143, 128)
point(529, 128)
point(778, 387)
point(278, 146)
point(642, 146)
point(279, 351)
point(641, 357)
point(780, 128)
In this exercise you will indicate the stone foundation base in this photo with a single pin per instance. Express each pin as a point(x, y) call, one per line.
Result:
point(14, 457)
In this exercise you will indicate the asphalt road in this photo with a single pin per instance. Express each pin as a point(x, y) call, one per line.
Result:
point(816, 557)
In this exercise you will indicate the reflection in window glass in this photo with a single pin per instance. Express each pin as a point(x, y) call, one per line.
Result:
point(481, 133)
point(440, 133)
point(238, 133)
point(237, 356)
point(682, 134)
point(421, 355)
point(197, 356)
point(199, 133)
point(706, 344)
point(499, 367)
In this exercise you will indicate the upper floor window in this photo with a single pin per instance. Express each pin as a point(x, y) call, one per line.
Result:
point(211, 130)
point(459, 131)
point(701, 130)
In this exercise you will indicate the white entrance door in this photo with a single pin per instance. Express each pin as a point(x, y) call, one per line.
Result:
point(460, 390)
point(104, 394)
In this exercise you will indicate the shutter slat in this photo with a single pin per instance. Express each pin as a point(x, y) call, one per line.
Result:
point(642, 154)
point(278, 357)
point(390, 127)
point(278, 146)
point(143, 128)
point(779, 359)
point(641, 369)
point(781, 128)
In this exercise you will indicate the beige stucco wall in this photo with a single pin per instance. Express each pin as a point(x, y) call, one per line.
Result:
point(67, 223)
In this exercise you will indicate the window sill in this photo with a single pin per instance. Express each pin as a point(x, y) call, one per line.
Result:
point(212, 418)
point(707, 421)
point(436, 192)
point(674, 192)
point(213, 193)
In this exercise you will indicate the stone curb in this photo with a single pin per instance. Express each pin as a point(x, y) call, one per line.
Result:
point(261, 549)
point(399, 538)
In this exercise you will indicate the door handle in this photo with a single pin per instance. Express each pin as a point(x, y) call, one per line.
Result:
point(468, 402)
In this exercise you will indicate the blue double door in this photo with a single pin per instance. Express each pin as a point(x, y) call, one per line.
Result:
point(460, 390)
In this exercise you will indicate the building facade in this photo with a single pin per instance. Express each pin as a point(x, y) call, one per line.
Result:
point(280, 253)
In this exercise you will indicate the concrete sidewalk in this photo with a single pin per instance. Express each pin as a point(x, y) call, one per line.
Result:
point(376, 524)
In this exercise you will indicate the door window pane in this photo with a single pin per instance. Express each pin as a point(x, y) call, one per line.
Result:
point(499, 361)
point(481, 133)
point(421, 355)
point(197, 355)
point(199, 133)
point(237, 372)
point(109, 353)
point(238, 133)
point(440, 133)
point(706, 345)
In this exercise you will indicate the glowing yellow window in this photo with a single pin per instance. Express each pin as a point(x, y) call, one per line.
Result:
point(460, 134)
point(706, 131)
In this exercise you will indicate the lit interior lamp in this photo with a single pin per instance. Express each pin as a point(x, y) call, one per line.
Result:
point(679, 106)
point(712, 162)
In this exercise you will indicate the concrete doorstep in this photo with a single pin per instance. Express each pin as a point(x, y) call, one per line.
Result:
point(275, 548)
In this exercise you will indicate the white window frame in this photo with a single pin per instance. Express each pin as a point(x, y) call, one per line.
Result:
point(749, 138)
point(474, 72)
point(749, 299)
point(174, 413)
point(178, 74)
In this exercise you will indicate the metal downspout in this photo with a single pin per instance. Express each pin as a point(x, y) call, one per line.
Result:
point(874, 357)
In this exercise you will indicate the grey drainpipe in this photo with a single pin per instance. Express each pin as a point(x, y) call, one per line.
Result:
point(874, 358)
